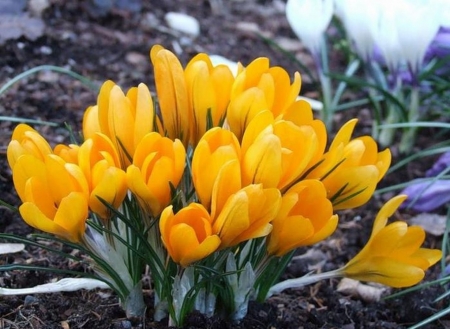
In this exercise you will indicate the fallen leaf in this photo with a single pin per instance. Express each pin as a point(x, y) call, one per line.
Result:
point(359, 290)
point(432, 223)
point(15, 26)
point(10, 248)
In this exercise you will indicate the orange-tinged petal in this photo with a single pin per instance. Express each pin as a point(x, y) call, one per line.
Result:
point(37, 192)
point(111, 187)
point(120, 119)
point(286, 93)
point(204, 249)
point(228, 182)
point(140, 189)
point(233, 219)
point(172, 93)
point(383, 163)
point(323, 232)
point(144, 114)
point(91, 123)
point(260, 216)
point(244, 108)
point(344, 134)
point(385, 271)
point(27, 166)
point(69, 153)
point(287, 233)
point(71, 215)
point(262, 161)
point(187, 235)
point(351, 187)
point(305, 217)
point(260, 122)
point(432, 256)
point(242, 217)
point(388, 209)
point(299, 146)
point(26, 140)
point(69, 221)
point(216, 148)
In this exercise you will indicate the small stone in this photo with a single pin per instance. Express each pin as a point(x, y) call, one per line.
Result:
point(183, 23)
point(136, 59)
point(30, 300)
point(45, 50)
point(126, 324)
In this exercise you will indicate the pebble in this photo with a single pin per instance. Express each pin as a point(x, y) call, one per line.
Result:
point(183, 23)
point(30, 300)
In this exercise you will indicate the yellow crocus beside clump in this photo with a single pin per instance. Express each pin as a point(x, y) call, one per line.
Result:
point(393, 255)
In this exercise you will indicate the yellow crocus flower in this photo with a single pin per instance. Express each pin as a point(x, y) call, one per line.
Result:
point(54, 195)
point(26, 140)
point(276, 153)
point(216, 170)
point(99, 161)
point(259, 87)
point(243, 108)
point(125, 119)
point(157, 163)
point(247, 215)
point(274, 82)
point(392, 256)
point(301, 114)
point(352, 168)
point(208, 93)
point(305, 217)
point(187, 235)
point(172, 94)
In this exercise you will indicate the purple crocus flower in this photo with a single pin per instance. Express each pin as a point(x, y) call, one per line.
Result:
point(426, 196)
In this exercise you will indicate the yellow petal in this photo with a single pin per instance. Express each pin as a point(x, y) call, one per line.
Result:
point(262, 161)
point(228, 182)
point(111, 188)
point(385, 271)
point(91, 123)
point(288, 234)
point(388, 209)
point(27, 166)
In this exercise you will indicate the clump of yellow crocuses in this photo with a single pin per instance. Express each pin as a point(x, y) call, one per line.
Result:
point(212, 183)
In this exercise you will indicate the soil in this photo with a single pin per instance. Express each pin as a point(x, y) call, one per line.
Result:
point(113, 43)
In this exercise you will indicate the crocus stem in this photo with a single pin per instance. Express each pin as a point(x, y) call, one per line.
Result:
point(409, 136)
point(321, 61)
point(303, 281)
point(387, 134)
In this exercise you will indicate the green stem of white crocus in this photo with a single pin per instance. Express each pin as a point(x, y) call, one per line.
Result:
point(303, 281)
point(323, 71)
point(387, 134)
point(409, 136)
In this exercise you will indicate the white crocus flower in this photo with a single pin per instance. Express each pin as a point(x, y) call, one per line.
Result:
point(417, 24)
point(309, 19)
point(359, 18)
point(386, 36)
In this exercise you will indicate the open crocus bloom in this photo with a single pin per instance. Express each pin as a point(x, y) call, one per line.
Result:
point(393, 255)
point(305, 217)
point(26, 140)
point(158, 162)
point(54, 195)
point(187, 234)
point(125, 119)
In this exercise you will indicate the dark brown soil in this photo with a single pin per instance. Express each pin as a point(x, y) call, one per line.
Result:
point(116, 46)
